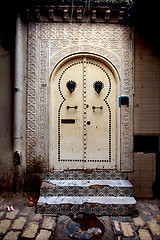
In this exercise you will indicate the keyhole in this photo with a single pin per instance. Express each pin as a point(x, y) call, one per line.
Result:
point(88, 122)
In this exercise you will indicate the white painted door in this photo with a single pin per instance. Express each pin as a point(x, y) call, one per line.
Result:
point(83, 113)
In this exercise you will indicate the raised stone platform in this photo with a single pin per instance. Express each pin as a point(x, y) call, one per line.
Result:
point(94, 192)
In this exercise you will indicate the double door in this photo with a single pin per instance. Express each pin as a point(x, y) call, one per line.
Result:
point(84, 101)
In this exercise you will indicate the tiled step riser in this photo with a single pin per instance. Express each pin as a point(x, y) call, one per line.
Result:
point(87, 191)
point(119, 193)
point(84, 175)
point(97, 209)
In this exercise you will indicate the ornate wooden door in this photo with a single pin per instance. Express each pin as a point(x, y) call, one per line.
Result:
point(84, 117)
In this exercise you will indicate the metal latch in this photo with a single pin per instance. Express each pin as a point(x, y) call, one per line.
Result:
point(75, 107)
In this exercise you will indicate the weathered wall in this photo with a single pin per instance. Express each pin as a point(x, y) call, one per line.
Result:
point(6, 157)
point(147, 88)
point(146, 115)
point(48, 44)
point(144, 174)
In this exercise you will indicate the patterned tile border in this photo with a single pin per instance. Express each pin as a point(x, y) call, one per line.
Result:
point(97, 209)
point(82, 175)
point(87, 191)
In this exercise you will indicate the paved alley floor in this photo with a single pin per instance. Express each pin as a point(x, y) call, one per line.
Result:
point(23, 223)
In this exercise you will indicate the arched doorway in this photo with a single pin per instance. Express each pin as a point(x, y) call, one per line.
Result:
point(83, 115)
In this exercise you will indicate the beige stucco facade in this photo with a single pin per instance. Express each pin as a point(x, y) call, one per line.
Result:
point(52, 43)
point(137, 71)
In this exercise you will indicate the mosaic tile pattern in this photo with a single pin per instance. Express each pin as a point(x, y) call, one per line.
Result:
point(97, 209)
point(84, 175)
point(88, 208)
point(87, 191)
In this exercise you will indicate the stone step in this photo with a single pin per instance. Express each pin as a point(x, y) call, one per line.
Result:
point(98, 192)
point(81, 200)
point(87, 183)
point(65, 205)
point(84, 175)
point(121, 188)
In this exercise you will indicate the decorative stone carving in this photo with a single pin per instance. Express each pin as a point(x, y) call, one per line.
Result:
point(74, 11)
point(49, 43)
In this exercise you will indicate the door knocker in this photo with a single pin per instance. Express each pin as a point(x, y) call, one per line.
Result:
point(98, 86)
point(71, 85)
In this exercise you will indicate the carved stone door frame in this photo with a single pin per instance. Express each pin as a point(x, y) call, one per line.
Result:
point(47, 46)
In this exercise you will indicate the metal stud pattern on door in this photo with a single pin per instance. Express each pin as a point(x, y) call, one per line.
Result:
point(84, 103)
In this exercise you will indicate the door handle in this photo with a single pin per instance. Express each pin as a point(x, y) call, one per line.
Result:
point(94, 107)
point(75, 107)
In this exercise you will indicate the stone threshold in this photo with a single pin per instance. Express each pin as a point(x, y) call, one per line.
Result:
point(87, 183)
point(81, 200)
